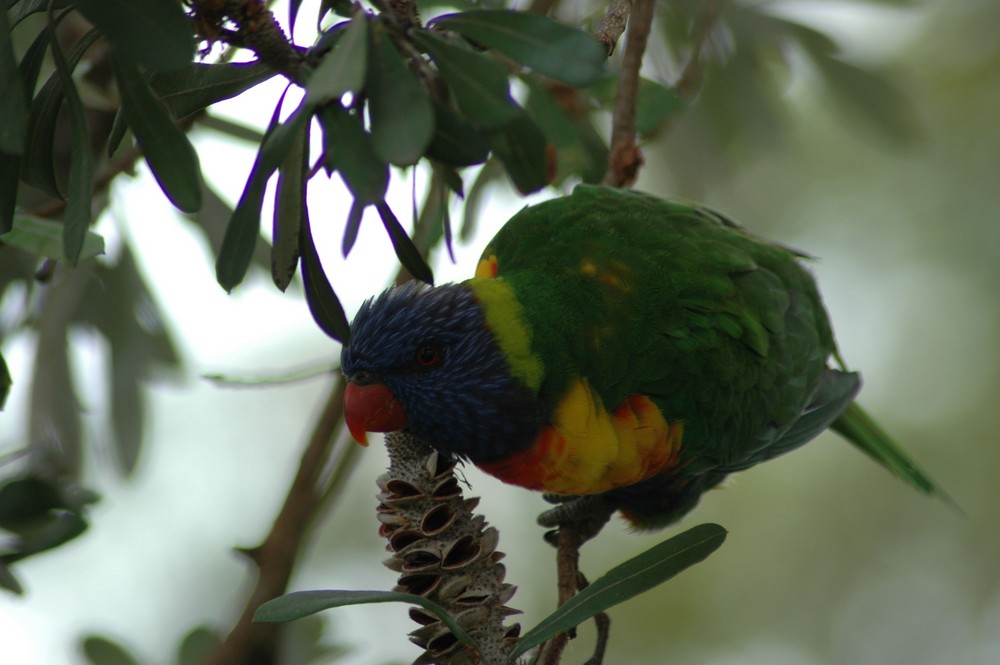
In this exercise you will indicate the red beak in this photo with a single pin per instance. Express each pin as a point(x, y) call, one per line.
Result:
point(371, 408)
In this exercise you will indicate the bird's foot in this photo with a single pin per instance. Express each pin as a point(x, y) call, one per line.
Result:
point(586, 515)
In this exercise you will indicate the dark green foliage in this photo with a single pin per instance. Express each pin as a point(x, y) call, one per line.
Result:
point(168, 152)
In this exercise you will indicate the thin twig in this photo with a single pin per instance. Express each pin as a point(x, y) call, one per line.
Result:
point(613, 24)
point(625, 158)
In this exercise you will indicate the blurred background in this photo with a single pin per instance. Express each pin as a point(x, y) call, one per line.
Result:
point(829, 559)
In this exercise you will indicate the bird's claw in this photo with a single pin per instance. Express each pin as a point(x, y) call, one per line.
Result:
point(586, 514)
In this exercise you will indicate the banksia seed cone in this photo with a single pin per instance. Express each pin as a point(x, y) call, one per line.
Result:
point(445, 553)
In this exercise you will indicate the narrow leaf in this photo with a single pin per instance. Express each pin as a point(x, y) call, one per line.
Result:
point(44, 238)
point(406, 251)
point(5, 382)
point(243, 231)
point(200, 85)
point(8, 581)
point(13, 105)
point(868, 100)
point(349, 150)
point(342, 70)
point(320, 296)
point(651, 568)
point(455, 141)
point(289, 207)
point(303, 603)
point(76, 220)
point(10, 175)
point(168, 152)
point(351, 228)
point(102, 651)
point(11, 164)
point(154, 33)
point(293, 13)
point(198, 646)
point(478, 83)
point(580, 150)
point(550, 48)
point(402, 118)
point(39, 167)
point(21, 10)
point(525, 154)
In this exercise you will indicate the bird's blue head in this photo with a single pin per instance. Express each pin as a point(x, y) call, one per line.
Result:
point(422, 358)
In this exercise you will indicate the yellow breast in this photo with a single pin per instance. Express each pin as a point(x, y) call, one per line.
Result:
point(588, 450)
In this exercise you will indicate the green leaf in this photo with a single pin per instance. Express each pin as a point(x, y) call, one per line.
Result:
point(190, 90)
point(342, 70)
point(7, 579)
point(39, 167)
point(21, 10)
point(655, 102)
point(54, 530)
point(102, 651)
point(349, 149)
point(5, 382)
point(289, 209)
point(76, 219)
point(455, 141)
point(13, 105)
point(25, 499)
point(200, 85)
point(303, 603)
point(154, 33)
point(651, 568)
point(44, 238)
point(402, 118)
point(197, 646)
point(293, 13)
point(322, 299)
point(550, 48)
point(168, 152)
point(10, 164)
point(338, 7)
point(351, 227)
point(525, 154)
point(406, 251)
point(243, 231)
point(478, 196)
point(869, 100)
point(10, 175)
point(478, 83)
point(580, 150)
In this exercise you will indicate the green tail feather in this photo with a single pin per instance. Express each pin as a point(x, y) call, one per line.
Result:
point(855, 425)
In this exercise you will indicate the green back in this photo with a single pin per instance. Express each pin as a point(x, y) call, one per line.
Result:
point(643, 296)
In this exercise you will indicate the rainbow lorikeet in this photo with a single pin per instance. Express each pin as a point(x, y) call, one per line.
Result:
point(617, 345)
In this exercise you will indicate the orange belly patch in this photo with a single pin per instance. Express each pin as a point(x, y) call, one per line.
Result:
point(588, 450)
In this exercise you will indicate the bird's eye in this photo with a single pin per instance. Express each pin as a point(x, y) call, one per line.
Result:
point(428, 355)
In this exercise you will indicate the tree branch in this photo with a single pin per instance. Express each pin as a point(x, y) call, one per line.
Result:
point(613, 24)
point(255, 643)
point(625, 158)
point(256, 29)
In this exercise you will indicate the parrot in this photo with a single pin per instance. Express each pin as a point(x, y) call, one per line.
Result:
point(616, 346)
